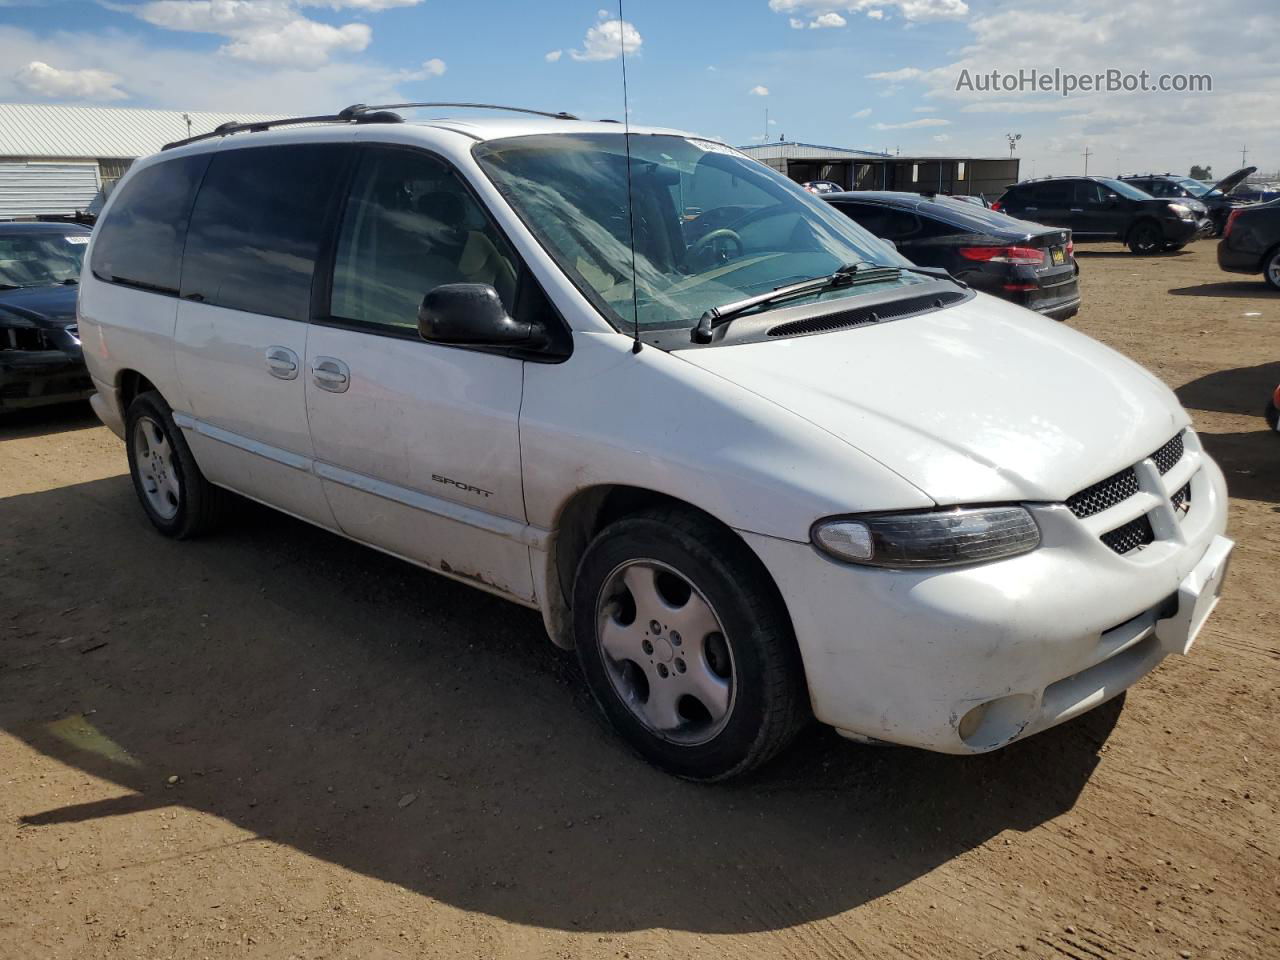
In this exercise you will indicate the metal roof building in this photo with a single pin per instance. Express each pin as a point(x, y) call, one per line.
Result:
point(868, 170)
point(54, 159)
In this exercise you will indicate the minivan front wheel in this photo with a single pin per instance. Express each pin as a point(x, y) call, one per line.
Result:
point(176, 497)
point(685, 645)
point(1146, 238)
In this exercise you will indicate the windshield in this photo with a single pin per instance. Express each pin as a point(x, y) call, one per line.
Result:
point(1125, 189)
point(711, 225)
point(1197, 189)
point(39, 260)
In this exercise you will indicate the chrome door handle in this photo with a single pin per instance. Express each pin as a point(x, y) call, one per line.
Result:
point(330, 374)
point(282, 363)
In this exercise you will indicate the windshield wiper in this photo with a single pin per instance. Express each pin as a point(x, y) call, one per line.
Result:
point(70, 281)
point(9, 286)
point(846, 276)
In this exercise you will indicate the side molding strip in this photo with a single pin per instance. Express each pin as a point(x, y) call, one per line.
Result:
point(523, 533)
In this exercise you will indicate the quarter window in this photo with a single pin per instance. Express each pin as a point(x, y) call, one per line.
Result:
point(256, 228)
point(410, 226)
point(139, 243)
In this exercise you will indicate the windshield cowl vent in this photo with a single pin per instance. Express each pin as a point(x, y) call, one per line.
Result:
point(860, 315)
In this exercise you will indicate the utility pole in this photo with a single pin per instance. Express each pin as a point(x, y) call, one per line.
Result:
point(187, 117)
point(1087, 154)
point(765, 139)
point(1013, 139)
point(1244, 152)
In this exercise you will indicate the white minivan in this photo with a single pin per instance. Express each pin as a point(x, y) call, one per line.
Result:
point(746, 459)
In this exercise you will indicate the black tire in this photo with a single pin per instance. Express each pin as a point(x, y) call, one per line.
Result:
point(769, 702)
point(1146, 238)
point(200, 506)
point(1272, 415)
point(1271, 268)
point(1173, 247)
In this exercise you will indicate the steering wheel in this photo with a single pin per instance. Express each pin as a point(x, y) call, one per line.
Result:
point(707, 244)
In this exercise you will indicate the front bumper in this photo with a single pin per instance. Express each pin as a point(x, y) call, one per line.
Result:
point(35, 378)
point(968, 659)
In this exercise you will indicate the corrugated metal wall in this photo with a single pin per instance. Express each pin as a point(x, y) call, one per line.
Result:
point(28, 188)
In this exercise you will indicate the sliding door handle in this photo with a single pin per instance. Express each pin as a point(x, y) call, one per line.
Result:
point(282, 363)
point(330, 374)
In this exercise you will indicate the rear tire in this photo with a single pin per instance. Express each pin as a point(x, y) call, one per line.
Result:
point(686, 646)
point(1146, 238)
point(1271, 268)
point(174, 494)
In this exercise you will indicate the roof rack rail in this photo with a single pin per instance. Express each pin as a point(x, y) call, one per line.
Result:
point(360, 107)
point(356, 113)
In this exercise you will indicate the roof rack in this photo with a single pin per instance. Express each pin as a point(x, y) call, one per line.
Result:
point(356, 113)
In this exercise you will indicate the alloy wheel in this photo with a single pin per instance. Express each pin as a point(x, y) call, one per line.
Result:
point(153, 455)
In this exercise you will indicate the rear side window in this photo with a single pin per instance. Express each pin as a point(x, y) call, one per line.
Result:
point(409, 226)
point(139, 243)
point(882, 221)
point(257, 225)
point(1056, 193)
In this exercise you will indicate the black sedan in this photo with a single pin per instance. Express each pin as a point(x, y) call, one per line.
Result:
point(1029, 264)
point(1251, 242)
point(40, 358)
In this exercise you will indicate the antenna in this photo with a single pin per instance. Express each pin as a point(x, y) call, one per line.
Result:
point(631, 208)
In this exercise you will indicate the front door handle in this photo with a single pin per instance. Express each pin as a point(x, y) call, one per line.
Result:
point(330, 374)
point(282, 363)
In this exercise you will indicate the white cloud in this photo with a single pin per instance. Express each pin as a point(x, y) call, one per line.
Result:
point(299, 43)
point(607, 40)
point(267, 31)
point(827, 21)
point(796, 23)
point(915, 11)
point(43, 80)
point(875, 14)
point(897, 76)
point(759, 90)
point(914, 124)
point(554, 56)
point(941, 137)
point(435, 67)
point(864, 112)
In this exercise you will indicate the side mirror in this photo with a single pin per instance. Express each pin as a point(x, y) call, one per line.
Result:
point(472, 314)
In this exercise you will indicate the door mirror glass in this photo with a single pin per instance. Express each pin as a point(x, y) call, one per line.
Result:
point(473, 314)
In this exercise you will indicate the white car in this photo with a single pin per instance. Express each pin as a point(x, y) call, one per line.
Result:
point(783, 473)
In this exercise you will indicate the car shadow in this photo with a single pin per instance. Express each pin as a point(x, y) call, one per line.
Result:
point(1238, 390)
point(1252, 290)
point(40, 421)
point(327, 697)
point(1082, 252)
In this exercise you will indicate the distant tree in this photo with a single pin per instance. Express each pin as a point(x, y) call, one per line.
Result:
point(1202, 173)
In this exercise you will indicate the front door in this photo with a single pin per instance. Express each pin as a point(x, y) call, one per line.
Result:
point(241, 338)
point(417, 444)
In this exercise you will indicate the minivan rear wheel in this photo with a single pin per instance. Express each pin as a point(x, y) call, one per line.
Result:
point(686, 646)
point(175, 495)
point(1146, 238)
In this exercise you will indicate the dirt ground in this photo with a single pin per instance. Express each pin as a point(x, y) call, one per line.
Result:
point(275, 743)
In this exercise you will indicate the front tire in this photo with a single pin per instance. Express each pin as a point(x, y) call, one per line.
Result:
point(686, 646)
point(174, 494)
point(1146, 238)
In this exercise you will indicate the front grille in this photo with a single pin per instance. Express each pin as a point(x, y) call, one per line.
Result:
point(1182, 499)
point(873, 314)
point(1134, 535)
point(24, 338)
point(1105, 493)
point(1167, 457)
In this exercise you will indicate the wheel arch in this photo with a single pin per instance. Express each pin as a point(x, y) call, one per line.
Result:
point(582, 517)
point(1139, 222)
point(129, 384)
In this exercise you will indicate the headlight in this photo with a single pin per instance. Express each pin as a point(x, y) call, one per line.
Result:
point(938, 538)
point(1181, 210)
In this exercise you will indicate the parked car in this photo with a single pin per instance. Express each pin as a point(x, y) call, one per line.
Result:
point(1215, 198)
point(1099, 208)
point(822, 186)
point(1251, 242)
point(1025, 263)
point(40, 358)
point(773, 471)
point(1272, 413)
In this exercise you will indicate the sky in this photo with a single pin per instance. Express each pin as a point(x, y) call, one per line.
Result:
point(871, 74)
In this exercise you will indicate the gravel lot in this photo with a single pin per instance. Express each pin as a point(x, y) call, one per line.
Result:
point(275, 743)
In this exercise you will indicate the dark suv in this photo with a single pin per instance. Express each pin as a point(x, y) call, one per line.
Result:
point(1099, 208)
point(1216, 198)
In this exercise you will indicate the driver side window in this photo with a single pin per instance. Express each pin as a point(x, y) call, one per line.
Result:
point(409, 226)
